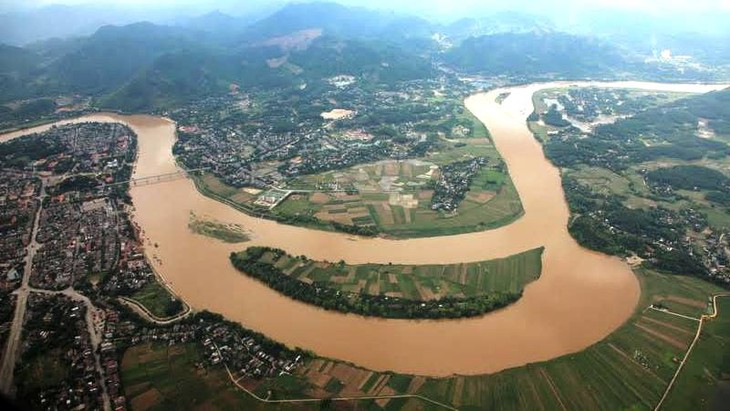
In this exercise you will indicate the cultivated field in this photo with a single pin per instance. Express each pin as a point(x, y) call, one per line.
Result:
point(417, 282)
point(630, 369)
point(158, 377)
point(395, 196)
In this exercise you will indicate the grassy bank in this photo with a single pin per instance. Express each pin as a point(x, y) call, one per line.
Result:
point(157, 300)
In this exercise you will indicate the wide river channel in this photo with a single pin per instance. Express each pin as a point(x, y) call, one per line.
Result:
point(581, 297)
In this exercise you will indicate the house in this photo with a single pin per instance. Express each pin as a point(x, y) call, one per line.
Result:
point(13, 275)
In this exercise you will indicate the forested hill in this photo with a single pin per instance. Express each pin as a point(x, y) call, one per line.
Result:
point(144, 66)
point(337, 20)
point(528, 54)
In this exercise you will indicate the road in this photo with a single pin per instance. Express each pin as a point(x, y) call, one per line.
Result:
point(319, 400)
point(691, 346)
point(94, 334)
point(10, 355)
point(143, 312)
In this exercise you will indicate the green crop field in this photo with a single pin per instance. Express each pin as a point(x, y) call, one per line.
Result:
point(158, 377)
point(492, 200)
point(418, 282)
point(704, 383)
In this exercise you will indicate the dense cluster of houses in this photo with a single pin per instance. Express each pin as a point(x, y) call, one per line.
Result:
point(18, 206)
point(267, 143)
point(56, 330)
point(454, 183)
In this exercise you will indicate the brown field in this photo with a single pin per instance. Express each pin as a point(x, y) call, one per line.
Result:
point(146, 400)
point(319, 198)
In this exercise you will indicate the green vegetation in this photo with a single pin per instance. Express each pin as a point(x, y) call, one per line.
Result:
point(161, 377)
point(691, 177)
point(44, 371)
point(630, 369)
point(157, 300)
point(651, 184)
point(366, 209)
point(491, 201)
point(229, 233)
point(537, 55)
point(705, 379)
point(394, 291)
point(417, 282)
point(241, 200)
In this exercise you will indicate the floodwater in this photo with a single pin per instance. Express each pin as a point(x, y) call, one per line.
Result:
point(581, 297)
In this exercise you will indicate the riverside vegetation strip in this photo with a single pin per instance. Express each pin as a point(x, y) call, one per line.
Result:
point(394, 291)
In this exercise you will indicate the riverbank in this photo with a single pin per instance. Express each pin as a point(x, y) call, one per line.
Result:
point(540, 326)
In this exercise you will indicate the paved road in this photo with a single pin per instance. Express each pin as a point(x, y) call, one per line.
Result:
point(11, 348)
point(10, 356)
point(143, 312)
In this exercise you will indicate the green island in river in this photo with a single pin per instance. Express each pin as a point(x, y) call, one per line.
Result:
point(336, 208)
point(394, 291)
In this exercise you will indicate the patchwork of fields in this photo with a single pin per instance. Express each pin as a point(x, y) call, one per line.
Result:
point(395, 196)
point(417, 282)
point(628, 370)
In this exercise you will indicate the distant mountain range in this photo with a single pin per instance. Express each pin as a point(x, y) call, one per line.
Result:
point(539, 53)
point(145, 66)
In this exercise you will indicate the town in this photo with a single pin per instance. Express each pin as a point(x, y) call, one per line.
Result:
point(73, 255)
point(252, 140)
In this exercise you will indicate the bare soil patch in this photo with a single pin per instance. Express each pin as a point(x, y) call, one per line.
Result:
point(319, 198)
point(146, 400)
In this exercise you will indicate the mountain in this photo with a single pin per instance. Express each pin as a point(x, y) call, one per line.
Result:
point(337, 20)
point(17, 68)
point(373, 60)
point(146, 66)
point(17, 60)
point(110, 57)
point(531, 54)
point(172, 79)
point(504, 22)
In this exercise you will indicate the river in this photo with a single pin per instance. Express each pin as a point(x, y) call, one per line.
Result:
point(581, 297)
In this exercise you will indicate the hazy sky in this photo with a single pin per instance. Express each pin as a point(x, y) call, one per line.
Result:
point(430, 5)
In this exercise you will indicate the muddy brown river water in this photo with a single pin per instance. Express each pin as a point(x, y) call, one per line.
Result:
point(581, 297)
